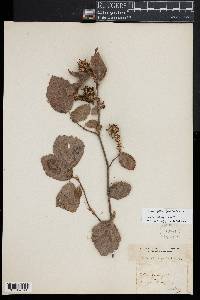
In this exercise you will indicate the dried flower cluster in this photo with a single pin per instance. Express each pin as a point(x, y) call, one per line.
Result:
point(88, 95)
point(84, 66)
point(113, 131)
point(68, 150)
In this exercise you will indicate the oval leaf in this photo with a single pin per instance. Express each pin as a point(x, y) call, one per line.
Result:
point(92, 124)
point(68, 198)
point(119, 190)
point(82, 76)
point(97, 65)
point(78, 192)
point(106, 237)
point(60, 94)
point(80, 113)
point(94, 110)
point(127, 161)
point(56, 168)
point(68, 148)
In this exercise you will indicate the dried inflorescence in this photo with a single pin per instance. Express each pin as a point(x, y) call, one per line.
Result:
point(68, 150)
point(114, 132)
point(87, 96)
point(84, 66)
point(100, 104)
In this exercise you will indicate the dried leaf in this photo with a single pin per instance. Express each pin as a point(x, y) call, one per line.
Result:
point(127, 161)
point(80, 113)
point(94, 110)
point(71, 90)
point(106, 237)
point(94, 124)
point(82, 76)
point(119, 190)
point(78, 192)
point(60, 94)
point(56, 168)
point(97, 65)
point(76, 86)
point(68, 197)
point(68, 148)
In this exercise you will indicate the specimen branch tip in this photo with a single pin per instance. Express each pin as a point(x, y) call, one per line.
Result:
point(68, 150)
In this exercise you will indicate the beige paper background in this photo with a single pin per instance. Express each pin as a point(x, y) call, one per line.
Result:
point(148, 92)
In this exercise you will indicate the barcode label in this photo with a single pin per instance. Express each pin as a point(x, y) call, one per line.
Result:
point(145, 11)
point(18, 287)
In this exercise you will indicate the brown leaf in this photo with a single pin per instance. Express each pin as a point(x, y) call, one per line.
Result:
point(82, 76)
point(68, 197)
point(72, 89)
point(78, 192)
point(56, 168)
point(80, 113)
point(60, 94)
point(106, 237)
point(94, 124)
point(97, 65)
point(127, 161)
point(68, 148)
point(94, 110)
point(119, 190)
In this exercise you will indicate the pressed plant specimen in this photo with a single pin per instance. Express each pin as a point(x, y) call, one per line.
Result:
point(68, 150)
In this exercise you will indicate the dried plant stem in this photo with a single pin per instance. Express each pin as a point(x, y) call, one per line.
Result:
point(107, 174)
point(98, 134)
point(86, 199)
point(68, 150)
point(105, 156)
point(112, 161)
point(98, 109)
point(86, 128)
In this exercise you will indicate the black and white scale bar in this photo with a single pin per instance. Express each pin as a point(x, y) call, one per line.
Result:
point(145, 11)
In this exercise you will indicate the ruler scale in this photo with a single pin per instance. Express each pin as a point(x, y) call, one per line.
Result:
point(145, 11)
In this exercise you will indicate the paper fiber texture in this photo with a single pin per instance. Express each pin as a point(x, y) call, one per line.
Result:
point(148, 93)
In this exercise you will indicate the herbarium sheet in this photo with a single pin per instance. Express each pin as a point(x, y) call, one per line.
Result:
point(97, 158)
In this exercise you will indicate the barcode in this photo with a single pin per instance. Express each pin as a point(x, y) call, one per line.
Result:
point(13, 287)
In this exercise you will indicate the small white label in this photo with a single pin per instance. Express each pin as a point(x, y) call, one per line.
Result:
point(167, 215)
point(18, 287)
